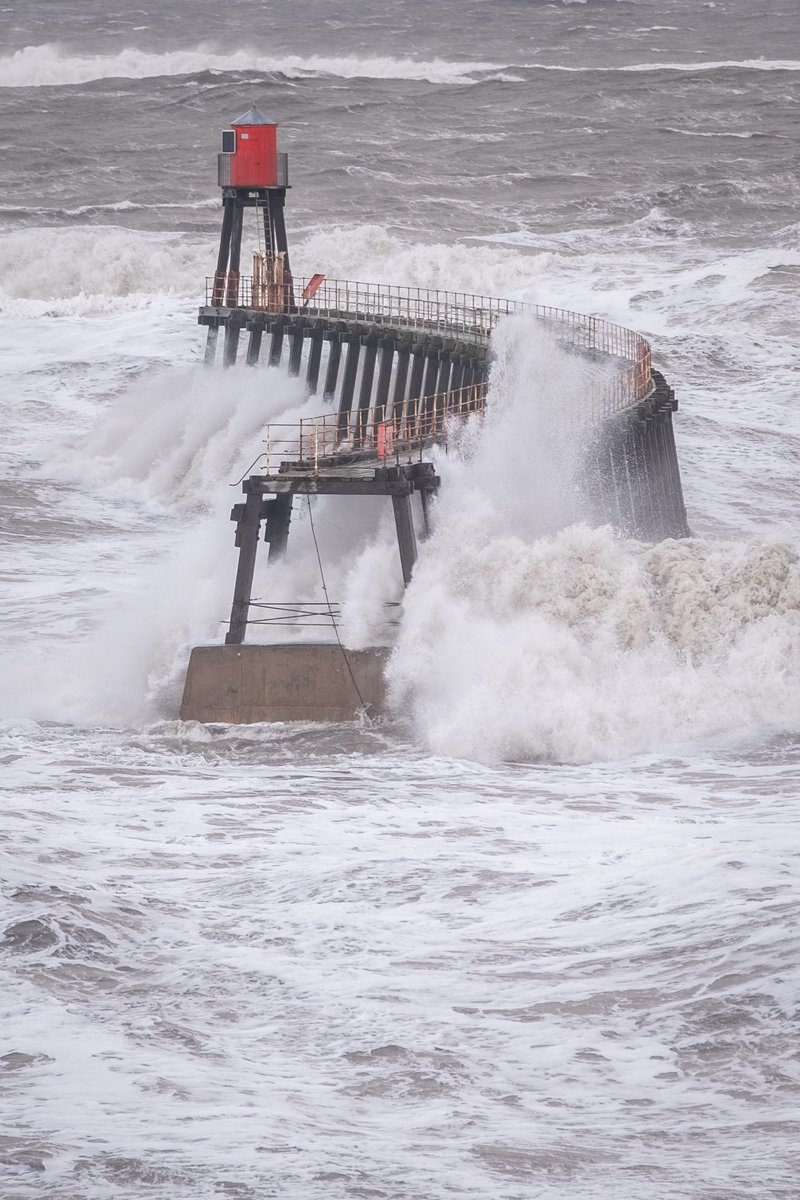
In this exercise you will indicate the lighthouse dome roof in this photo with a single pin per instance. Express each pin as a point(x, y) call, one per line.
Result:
point(253, 117)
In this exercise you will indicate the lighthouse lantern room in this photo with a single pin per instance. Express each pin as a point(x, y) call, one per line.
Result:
point(249, 156)
point(253, 175)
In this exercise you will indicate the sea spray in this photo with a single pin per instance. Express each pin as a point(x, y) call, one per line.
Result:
point(159, 456)
point(69, 272)
point(165, 455)
point(522, 465)
point(178, 436)
point(528, 636)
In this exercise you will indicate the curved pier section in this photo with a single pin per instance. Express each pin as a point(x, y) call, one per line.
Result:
point(631, 477)
point(401, 368)
point(375, 351)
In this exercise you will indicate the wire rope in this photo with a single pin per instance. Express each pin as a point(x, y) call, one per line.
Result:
point(331, 613)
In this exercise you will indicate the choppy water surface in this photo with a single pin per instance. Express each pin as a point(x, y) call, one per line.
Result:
point(536, 936)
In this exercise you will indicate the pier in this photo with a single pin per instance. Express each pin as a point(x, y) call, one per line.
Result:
point(398, 371)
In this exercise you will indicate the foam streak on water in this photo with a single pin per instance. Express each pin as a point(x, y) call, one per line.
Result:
point(382, 970)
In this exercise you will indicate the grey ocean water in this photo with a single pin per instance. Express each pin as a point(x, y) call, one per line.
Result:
point(538, 936)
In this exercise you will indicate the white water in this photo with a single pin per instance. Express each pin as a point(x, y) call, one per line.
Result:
point(750, 64)
point(341, 961)
point(49, 65)
point(522, 642)
point(521, 637)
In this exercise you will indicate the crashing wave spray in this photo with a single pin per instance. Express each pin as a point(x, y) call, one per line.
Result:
point(161, 456)
point(525, 635)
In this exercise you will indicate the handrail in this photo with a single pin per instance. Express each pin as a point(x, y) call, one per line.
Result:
point(333, 440)
point(315, 443)
point(420, 422)
point(436, 311)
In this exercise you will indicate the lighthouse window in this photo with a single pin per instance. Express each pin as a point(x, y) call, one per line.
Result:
point(228, 141)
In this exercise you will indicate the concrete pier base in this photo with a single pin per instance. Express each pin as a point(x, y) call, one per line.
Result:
point(240, 685)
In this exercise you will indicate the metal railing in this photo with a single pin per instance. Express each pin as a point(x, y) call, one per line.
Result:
point(330, 439)
point(433, 311)
point(368, 433)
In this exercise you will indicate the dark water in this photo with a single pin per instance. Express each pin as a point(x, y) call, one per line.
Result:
point(546, 115)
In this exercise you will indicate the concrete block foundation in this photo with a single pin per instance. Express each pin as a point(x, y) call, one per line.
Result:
point(240, 685)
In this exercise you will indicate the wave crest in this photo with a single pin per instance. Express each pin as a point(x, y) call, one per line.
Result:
point(68, 271)
point(47, 65)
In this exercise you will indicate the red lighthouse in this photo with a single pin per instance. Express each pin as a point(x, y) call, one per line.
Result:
point(252, 174)
point(249, 157)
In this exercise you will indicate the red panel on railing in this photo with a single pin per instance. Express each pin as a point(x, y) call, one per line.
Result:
point(385, 446)
point(312, 287)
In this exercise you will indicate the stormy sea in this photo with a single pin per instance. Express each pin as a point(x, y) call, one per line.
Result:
point(533, 936)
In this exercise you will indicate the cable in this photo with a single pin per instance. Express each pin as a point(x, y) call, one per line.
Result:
point(330, 609)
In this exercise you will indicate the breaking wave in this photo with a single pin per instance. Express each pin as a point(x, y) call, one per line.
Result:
point(748, 64)
point(523, 640)
point(84, 210)
point(584, 647)
point(47, 66)
point(53, 272)
point(50, 270)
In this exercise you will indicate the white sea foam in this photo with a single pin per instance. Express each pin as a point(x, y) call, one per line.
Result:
point(53, 271)
point(369, 253)
point(161, 460)
point(73, 271)
point(469, 981)
point(48, 65)
point(748, 64)
point(575, 645)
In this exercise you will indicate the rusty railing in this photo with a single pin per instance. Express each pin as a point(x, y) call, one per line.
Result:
point(322, 441)
point(455, 314)
point(459, 315)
